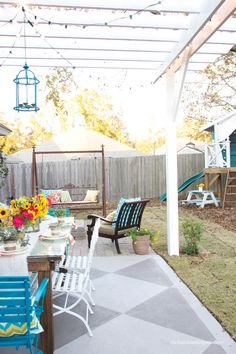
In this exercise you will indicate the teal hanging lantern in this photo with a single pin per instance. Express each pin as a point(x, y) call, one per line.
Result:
point(26, 85)
point(26, 90)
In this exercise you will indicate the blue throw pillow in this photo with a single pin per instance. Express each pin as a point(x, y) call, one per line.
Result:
point(121, 202)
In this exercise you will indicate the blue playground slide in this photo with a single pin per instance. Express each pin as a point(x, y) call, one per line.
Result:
point(185, 184)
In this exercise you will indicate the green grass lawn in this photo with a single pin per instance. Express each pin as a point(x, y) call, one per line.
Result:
point(212, 274)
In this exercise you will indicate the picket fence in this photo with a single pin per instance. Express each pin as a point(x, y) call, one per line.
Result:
point(142, 176)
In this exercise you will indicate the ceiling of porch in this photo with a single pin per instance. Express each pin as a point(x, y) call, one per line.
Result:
point(125, 34)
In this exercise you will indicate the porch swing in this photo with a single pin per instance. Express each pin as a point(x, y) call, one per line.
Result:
point(71, 195)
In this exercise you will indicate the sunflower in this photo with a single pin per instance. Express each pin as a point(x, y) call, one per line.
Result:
point(13, 204)
point(26, 205)
point(4, 212)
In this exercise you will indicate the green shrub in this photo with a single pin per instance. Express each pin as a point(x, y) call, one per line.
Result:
point(192, 231)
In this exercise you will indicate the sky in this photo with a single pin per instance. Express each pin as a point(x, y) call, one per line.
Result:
point(141, 103)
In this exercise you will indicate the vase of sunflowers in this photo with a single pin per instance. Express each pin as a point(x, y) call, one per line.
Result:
point(22, 214)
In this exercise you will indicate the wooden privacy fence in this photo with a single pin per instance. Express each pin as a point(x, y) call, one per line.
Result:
point(142, 176)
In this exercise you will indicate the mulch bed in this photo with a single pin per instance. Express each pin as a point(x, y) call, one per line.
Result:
point(224, 217)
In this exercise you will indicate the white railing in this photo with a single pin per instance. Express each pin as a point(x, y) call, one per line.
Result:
point(217, 154)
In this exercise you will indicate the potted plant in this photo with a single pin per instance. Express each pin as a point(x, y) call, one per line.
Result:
point(200, 186)
point(60, 213)
point(12, 238)
point(142, 238)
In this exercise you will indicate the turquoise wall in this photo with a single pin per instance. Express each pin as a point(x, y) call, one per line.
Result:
point(233, 149)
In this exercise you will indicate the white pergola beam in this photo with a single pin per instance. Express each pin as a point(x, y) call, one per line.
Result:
point(210, 20)
point(127, 5)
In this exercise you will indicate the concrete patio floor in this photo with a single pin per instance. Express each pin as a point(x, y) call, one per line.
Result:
point(141, 307)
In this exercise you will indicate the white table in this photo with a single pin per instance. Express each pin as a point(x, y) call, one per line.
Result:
point(201, 198)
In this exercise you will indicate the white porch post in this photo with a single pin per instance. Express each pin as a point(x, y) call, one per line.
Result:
point(173, 95)
point(171, 169)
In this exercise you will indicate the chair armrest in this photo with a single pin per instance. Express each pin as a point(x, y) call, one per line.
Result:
point(41, 292)
point(94, 217)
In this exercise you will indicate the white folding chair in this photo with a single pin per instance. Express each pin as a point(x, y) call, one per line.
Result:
point(77, 285)
point(73, 263)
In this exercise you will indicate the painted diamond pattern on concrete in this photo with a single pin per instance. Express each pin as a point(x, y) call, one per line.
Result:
point(169, 309)
point(141, 307)
point(147, 270)
point(127, 335)
point(152, 311)
point(121, 293)
point(68, 328)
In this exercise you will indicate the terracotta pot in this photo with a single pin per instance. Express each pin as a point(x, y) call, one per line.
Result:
point(141, 244)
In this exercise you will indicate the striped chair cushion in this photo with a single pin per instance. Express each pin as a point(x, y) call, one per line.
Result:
point(19, 328)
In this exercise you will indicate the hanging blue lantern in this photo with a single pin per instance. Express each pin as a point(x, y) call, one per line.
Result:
point(26, 84)
point(26, 90)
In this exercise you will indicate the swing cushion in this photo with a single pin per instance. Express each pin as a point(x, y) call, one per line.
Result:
point(91, 196)
point(55, 197)
point(65, 197)
point(51, 192)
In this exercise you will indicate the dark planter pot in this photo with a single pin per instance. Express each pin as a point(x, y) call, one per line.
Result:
point(141, 244)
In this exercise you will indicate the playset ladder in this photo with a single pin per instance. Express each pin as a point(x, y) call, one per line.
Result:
point(230, 189)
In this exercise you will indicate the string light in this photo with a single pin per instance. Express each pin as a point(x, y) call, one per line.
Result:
point(12, 47)
point(65, 25)
point(106, 23)
point(49, 44)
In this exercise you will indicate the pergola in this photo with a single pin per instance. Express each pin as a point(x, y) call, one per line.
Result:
point(159, 38)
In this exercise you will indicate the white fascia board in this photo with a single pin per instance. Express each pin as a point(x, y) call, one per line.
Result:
point(210, 19)
point(210, 126)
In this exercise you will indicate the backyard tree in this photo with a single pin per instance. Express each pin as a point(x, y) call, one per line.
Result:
point(59, 85)
point(90, 107)
point(99, 114)
point(211, 95)
point(22, 137)
point(221, 90)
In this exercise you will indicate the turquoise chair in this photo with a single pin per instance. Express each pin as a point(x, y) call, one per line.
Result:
point(20, 312)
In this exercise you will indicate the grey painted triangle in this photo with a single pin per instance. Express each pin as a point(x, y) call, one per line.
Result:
point(147, 270)
point(68, 328)
point(96, 273)
point(214, 349)
point(169, 309)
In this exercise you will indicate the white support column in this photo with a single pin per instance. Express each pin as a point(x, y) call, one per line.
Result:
point(171, 170)
point(173, 95)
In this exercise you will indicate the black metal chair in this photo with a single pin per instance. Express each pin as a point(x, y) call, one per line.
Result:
point(129, 216)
